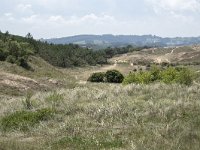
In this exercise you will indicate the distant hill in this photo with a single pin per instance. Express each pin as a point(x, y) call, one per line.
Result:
point(108, 40)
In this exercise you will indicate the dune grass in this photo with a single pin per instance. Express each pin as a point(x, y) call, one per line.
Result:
point(109, 116)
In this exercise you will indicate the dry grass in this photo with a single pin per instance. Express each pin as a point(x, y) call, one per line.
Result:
point(105, 116)
point(16, 81)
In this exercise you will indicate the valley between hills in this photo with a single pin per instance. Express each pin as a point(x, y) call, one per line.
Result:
point(52, 107)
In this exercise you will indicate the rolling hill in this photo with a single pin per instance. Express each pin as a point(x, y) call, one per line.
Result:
point(108, 40)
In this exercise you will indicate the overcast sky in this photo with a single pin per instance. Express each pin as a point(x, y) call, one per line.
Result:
point(60, 18)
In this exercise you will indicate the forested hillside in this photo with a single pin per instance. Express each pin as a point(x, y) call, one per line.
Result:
point(16, 49)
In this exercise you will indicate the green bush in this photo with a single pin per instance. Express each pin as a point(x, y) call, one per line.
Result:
point(114, 76)
point(97, 77)
point(131, 78)
point(3, 54)
point(111, 76)
point(169, 76)
point(11, 59)
point(140, 78)
point(155, 73)
point(185, 76)
point(177, 75)
point(15, 52)
point(24, 120)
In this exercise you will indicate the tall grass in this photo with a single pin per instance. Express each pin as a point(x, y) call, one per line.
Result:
point(106, 116)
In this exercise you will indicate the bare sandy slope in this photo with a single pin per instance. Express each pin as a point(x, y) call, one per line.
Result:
point(160, 55)
point(17, 81)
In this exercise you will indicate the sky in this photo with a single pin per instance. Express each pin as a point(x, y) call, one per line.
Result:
point(61, 18)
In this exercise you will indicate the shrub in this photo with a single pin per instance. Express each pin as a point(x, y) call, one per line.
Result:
point(3, 54)
point(131, 78)
point(155, 73)
point(168, 76)
point(140, 78)
point(111, 76)
point(144, 77)
point(185, 76)
point(22, 61)
point(23, 120)
point(11, 59)
point(97, 77)
point(114, 76)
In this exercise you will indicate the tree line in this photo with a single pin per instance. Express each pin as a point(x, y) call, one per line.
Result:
point(17, 49)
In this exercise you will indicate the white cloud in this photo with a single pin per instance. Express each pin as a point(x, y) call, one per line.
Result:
point(9, 16)
point(31, 19)
point(175, 5)
point(50, 18)
point(86, 19)
point(24, 7)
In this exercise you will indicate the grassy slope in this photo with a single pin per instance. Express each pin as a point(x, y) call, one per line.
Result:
point(42, 76)
point(103, 116)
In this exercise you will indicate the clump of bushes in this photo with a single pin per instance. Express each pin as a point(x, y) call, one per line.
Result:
point(169, 75)
point(97, 77)
point(15, 52)
point(111, 76)
point(114, 76)
point(23, 120)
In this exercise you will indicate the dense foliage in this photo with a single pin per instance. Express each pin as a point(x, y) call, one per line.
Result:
point(110, 52)
point(15, 51)
point(111, 76)
point(114, 76)
point(168, 76)
point(97, 77)
point(70, 55)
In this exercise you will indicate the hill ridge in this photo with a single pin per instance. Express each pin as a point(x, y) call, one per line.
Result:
point(106, 40)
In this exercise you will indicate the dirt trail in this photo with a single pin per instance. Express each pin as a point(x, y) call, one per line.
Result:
point(172, 51)
point(110, 67)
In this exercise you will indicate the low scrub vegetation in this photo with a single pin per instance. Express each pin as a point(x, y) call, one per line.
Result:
point(82, 143)
point(169, 75)
point(24, 120)
point(111, 76)
point(114, 76)
point(97, 77)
